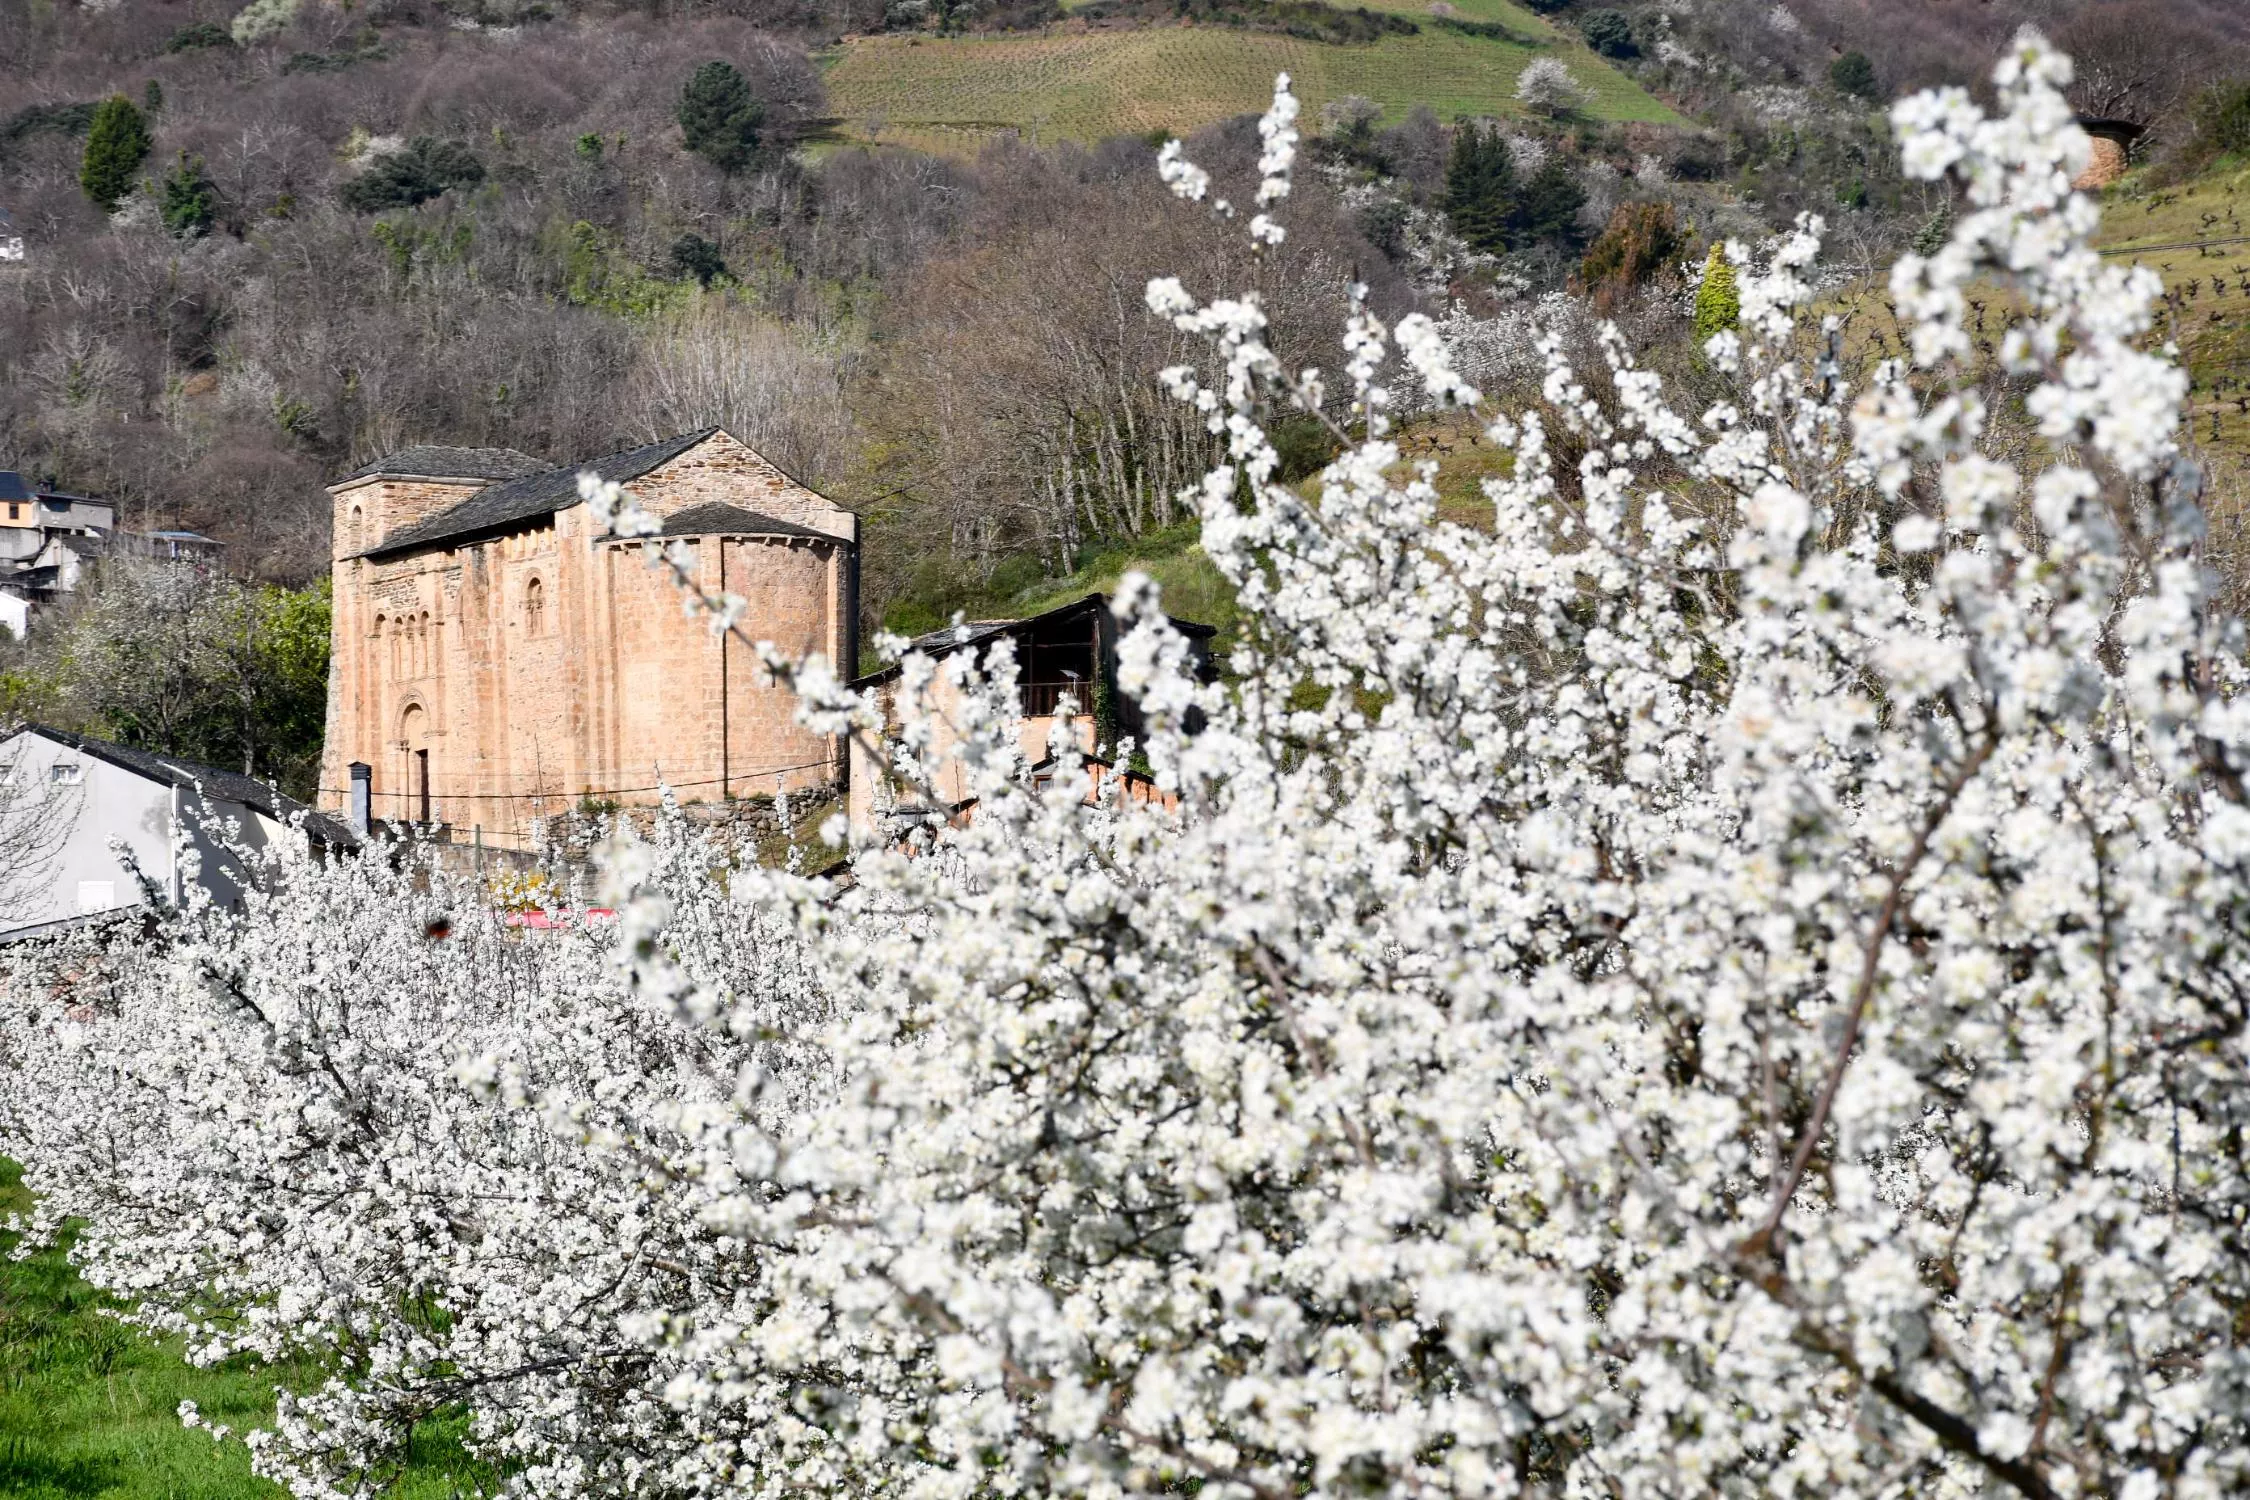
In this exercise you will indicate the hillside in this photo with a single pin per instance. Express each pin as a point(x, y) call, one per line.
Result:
point(2194, 235)
point(1084, 82)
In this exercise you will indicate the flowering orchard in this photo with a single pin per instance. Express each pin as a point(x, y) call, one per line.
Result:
point(1730, 981)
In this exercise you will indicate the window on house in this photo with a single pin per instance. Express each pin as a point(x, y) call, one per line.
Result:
point(534, 608)
point(15, 510)
point(66, 773)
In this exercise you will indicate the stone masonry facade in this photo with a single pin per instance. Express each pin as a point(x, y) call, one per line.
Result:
point(497, 661)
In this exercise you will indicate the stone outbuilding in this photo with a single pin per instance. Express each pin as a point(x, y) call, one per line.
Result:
point(1066, 687)
point(498, 659)
point(2113, 151)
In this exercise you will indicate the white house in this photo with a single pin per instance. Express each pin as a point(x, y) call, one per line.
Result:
point(79, 817)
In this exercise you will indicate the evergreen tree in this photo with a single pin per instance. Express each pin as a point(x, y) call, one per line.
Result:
point(116, 144)
point(1547, 208)
point(1932, 236)
point(693, 255)
point(1718, 302)
point(1609, 33)
point(719, 116)
point(191, 201)
point(1480, 187)
point(1853, 74)
point(426, 168)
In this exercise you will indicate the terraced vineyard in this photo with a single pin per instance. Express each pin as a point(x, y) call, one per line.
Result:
point(2197, 237)
point(1078, 83)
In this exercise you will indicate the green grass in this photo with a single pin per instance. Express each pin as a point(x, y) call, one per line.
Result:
point(2212, 327)
point(89, 1407)
point(951, 94)
point(1193, 587)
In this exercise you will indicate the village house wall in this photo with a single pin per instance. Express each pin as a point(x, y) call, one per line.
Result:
point(547, 666)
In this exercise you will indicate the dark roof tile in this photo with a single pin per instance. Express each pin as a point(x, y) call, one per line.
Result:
point(209, 781)
point(951, 638)
point(720, 519)
point(431, 461)
point(542, 494)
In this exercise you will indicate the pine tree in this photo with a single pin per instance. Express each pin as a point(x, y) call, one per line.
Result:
point(719, 116)
point(693, 255)
point(191, 201)
point(1853, 74)
point(1480, 187)
point(116, 144)
point(1718, 303)
point(1547, 208)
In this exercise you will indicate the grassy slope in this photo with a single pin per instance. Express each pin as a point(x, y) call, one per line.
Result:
point(952, 94)
point(89, 1408)
point(2212, 327)
point(2168, 231)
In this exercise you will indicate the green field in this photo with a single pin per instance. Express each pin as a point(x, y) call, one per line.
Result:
point(951, 94)
point(90, 1408)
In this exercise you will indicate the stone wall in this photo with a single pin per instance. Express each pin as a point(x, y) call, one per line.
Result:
point(2105, 166)
point(548, 668)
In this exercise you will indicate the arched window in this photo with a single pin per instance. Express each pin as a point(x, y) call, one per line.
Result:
point(351, 532)
point(429, 655)
point(413, 741)
point(534, 608)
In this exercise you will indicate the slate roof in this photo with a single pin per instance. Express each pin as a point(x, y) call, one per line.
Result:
point(952, 638)
point(12, 486)
point(542, 494)
point(209, 781)
point(430, 461)
point(720, 519)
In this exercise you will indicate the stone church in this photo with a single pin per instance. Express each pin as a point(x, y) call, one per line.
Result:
point(497, 659)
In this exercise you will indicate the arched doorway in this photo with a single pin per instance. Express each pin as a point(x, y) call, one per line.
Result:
point(414, 745)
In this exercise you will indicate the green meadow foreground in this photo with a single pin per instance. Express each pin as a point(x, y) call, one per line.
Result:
point(89, 1407)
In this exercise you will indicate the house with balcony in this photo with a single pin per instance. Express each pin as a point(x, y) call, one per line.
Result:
point(1066, 672)
point(48, 538)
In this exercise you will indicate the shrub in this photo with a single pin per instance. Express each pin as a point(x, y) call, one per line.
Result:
point(190, 200)
point(197, 36)
point(117, 142)
point(1304, 445)
point(720, 118)
point(1640, 243)
point(693, 255)
point(262, 19)
point(1609, 33)
point(1853, 74)
point(1718, 302)
point(2222, 117)
point(416, 174)
point(1546, 87)
point(46, 119)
